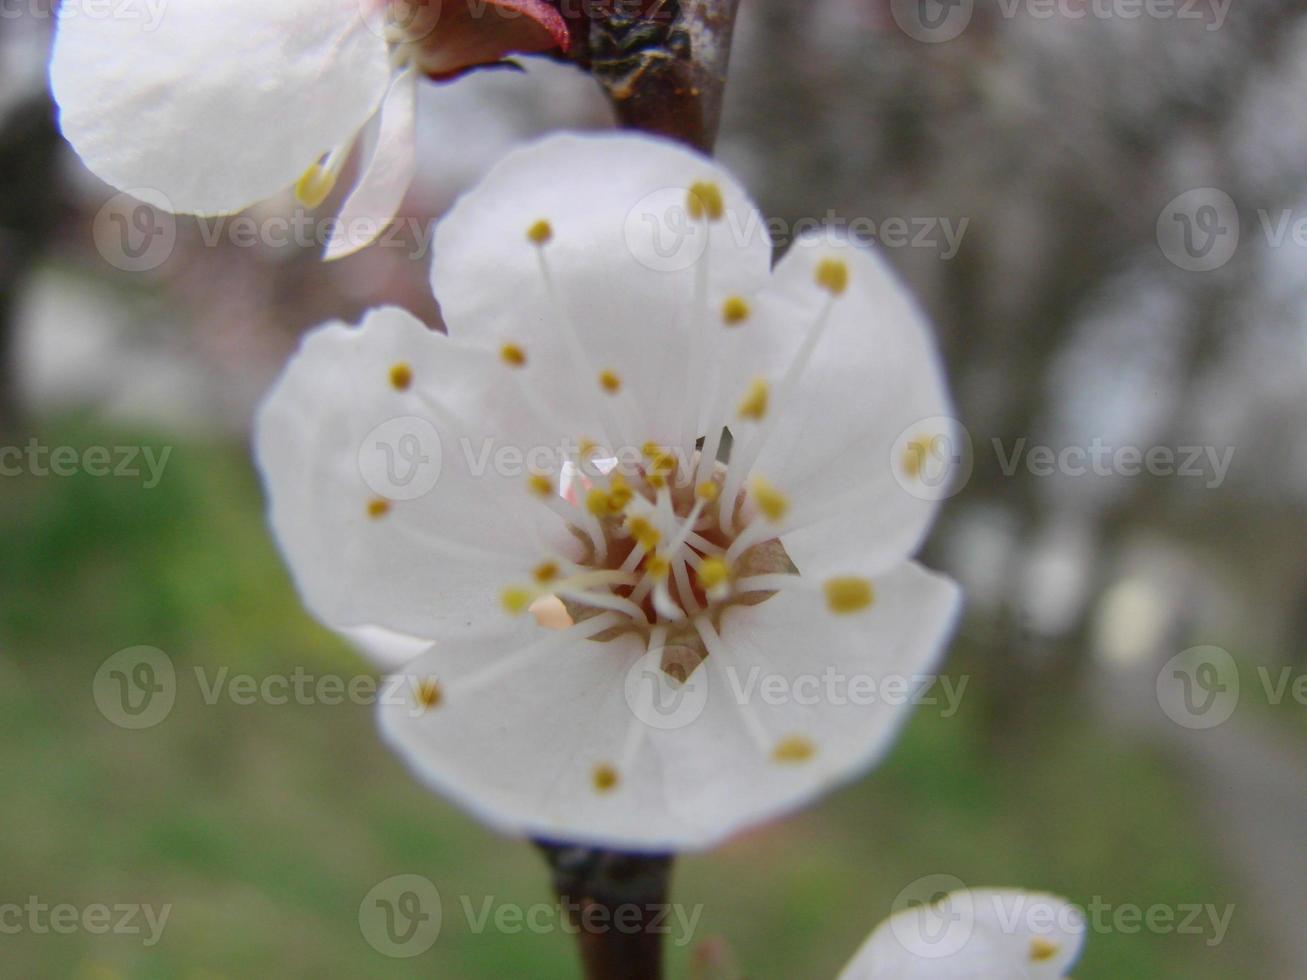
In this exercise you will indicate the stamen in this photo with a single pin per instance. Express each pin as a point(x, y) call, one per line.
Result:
point(1042, 950)
point(401, 377)
point(605, 778)
point(315, 186)
point(513, 355)
point(378, 507)
point(429, 693)
point(849, 594)
point(705, 201)
point(540, 233)
point(771, 503)
point(754, 405)
point(610, 382)
point(713, 574)
point(744, 457)
point(793, 749)
point(833, 275)
point(735, 311)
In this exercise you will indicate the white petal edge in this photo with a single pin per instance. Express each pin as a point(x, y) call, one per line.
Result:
point(975, 934)
point(389, 172)
point(216, 106)
point(520, 754)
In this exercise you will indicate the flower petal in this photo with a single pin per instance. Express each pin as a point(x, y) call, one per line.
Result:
point(523, 749)
point(874, 376)
point(523, 724)
point(389, 172)
point(388, 512)
point(217, 105)
point(802, 700)
point(975, 934)
point(622, 253)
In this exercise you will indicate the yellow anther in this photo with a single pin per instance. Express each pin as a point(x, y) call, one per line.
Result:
point(651, 449)
point(378, 508)
point(833, 275)
point(645, 534)
point(754, 404)
point(314, 186)
point(656, 480)
point(605, 778)
point(771, 502)
point(540, 485)
point(849, 595)
point(587, 448)
point(663, 462)
point(658, 566)
point(1041, 950)
point(735, 311)
point(429, 693)
point(540, 233)
point(713, 573)
point(545, 572)
point(516, 600)
point(619, 493)
point(707, 491)
point(512, 355)
point(914, 456)
point(793, 749)
point(705, 200)
point(401, 377)
point(610, 382)
point(597, 502)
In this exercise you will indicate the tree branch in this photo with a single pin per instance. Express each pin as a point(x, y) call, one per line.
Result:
point(614, 902)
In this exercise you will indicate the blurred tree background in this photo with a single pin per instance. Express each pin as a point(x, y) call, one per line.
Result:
point(1059, 147)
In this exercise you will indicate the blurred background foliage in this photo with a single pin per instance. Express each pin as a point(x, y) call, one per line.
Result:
point(1060, 142)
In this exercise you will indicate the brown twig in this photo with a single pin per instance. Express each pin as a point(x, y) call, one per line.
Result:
point(663, 65)
point(616, 904)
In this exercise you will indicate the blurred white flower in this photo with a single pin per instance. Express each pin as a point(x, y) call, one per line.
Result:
point(974, 934)
point(611, 307)
point(219, 104)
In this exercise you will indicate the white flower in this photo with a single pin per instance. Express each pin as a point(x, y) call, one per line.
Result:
point(974, 934)
point(219, 104)
point(588, 352)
